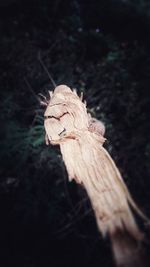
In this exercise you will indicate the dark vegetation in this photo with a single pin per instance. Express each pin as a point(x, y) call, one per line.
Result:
point(102, 49)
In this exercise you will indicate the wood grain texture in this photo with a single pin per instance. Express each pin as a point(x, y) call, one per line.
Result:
point(81, 139)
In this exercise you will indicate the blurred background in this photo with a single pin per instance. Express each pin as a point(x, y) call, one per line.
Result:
point(102, 48)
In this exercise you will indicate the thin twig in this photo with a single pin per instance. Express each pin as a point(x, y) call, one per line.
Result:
point(31, 90)
point(72, 222)
point(46, 70)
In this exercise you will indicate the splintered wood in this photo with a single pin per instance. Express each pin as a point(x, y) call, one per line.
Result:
point(80, 137)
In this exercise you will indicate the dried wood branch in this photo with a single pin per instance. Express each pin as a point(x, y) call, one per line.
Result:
point(81, 139)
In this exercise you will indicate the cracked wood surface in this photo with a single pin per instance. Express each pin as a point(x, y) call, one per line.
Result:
point(81, 139)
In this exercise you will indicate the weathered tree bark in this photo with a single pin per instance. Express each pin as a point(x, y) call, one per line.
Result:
point(80, 137)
